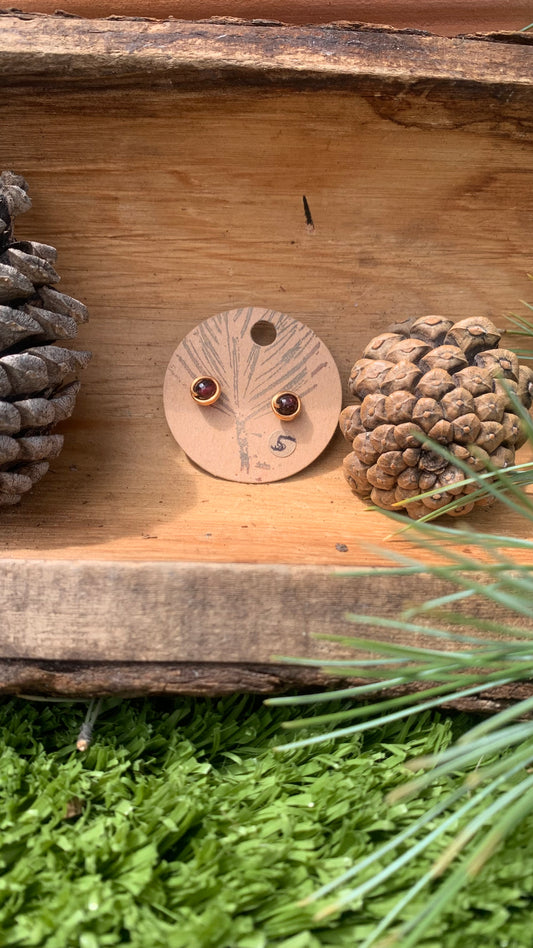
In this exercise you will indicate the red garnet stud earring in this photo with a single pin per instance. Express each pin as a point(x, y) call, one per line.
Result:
point(205, 390)
point(286, 405)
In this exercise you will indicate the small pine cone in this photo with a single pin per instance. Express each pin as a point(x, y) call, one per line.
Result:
point(38, 384)
point(449, 381)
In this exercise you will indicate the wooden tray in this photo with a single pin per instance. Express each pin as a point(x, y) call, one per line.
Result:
point(168, 163)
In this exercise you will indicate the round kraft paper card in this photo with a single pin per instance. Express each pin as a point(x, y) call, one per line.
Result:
point(252, 395)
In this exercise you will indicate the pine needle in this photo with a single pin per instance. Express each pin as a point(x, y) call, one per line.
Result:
point(490, 786)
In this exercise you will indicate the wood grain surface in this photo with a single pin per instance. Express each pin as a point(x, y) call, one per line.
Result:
point(180, 612)
point(168, 165)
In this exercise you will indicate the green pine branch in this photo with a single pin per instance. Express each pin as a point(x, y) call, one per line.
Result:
point(489, 769)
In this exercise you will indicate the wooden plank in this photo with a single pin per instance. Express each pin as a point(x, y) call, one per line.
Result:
point(177, 612)
point(80, 629)
point(37, 50)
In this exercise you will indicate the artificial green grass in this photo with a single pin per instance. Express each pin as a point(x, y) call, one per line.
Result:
point(182, 828)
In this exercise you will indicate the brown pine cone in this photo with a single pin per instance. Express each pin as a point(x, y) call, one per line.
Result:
point(439, 379)
point(38, 383)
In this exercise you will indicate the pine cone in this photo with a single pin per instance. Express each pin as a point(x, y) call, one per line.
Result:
point(37, 376)
point(447, 381)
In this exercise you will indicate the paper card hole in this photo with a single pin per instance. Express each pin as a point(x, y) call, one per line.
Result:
point(263, 333)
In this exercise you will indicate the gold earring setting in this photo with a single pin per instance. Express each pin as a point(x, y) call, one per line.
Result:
point(286, 406)
point(205, 390)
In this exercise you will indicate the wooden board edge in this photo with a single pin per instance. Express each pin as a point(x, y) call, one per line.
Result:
point(176, 611)
point(86, 629)
point(85, 680)
point(496, 35)
point(72, 50)
point(507, 37)
point(196, 612)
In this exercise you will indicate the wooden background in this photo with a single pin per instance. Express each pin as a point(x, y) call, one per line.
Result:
point(171, 199)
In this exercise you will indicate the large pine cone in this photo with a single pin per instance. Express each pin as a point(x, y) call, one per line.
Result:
point(448, 381)
point(37, 377)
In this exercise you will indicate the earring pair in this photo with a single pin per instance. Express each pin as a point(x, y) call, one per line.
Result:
point(205, 390)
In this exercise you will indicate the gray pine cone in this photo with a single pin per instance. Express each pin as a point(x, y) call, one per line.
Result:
point(38, 384)
point(440, 379)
